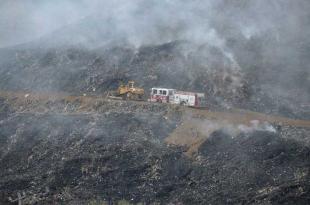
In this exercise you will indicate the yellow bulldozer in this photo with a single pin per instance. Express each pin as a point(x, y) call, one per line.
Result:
point(127, 92)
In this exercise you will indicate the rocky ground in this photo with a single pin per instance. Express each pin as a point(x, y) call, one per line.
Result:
point(117, 152)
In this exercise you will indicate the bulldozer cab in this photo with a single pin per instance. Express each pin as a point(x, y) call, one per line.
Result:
point(131, 84)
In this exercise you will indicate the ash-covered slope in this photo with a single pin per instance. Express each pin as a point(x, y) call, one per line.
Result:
point(180, 64)
point(116, 153)
point(185, 63)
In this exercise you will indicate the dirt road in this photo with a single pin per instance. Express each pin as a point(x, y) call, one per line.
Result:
point(234, 116)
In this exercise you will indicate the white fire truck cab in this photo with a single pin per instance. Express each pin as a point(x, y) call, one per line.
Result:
point(162, 95)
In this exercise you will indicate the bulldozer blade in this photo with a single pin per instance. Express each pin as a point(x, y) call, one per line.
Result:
point(115, 98)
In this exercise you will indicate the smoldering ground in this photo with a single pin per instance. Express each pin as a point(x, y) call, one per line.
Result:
point(116, 151)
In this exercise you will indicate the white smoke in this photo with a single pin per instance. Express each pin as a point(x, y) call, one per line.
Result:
point(256, 125)
point(207, 127)
point(279, 27)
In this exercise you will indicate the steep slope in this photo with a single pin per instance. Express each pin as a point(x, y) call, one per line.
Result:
point(81, 150)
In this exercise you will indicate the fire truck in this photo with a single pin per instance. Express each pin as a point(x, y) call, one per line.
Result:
point(172, 96)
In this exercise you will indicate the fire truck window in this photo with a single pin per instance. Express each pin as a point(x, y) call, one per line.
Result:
point(164, 92)
point(154, 91)
point(160, 92)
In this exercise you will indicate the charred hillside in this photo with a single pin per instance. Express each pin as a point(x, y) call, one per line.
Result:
point(179, 64)
point(58, 151)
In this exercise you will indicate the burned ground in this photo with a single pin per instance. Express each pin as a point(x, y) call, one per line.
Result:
point(110, 155)
point(270, 165)
point(116, 151)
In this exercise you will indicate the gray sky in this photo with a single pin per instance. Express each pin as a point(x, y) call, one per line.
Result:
point(155, 21)
point(24, 20)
